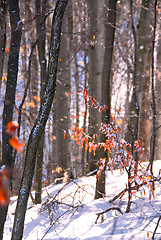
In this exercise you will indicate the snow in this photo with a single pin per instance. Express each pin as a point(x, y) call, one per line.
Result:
point(73, 212)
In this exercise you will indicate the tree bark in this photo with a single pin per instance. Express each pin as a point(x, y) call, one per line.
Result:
point(63, 156)
point(9, 102)
point(40, 7)
point(40, 123)
point(158, 98)
point(96, 53)
point(137, 121)
point(3, 11)
point(106, 91)
point(142, 82)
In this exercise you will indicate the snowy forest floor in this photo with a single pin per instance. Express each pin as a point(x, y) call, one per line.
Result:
point(69, 211)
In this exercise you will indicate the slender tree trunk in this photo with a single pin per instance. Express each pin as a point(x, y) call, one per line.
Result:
point(153, 138)
point(142, 83)
point(145, 123)
point(96, 52)
point(3, 11)
point(9, 102)
point(63, 105)
point(40, 123)
point(77, 147)
point(84, 170)
point(141, 41)
point(40, 7)
point(134, 108)
point(106, 79)
point(158, 97)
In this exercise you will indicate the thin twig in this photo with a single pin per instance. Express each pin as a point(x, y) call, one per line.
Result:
point(27, 85)
point(156, 227)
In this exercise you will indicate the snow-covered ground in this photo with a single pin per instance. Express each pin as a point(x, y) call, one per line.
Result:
point(72, 212)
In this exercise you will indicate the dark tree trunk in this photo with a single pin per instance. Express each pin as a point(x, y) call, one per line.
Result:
point(40, 123)
point(9, 102)
point(40, 7)
point(3, 11)
point(106, 91)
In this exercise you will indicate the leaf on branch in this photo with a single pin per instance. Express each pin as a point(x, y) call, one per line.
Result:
point(6, 50)
point(57, 170)
point(119, 129)
point(36, 98)
point(31, 104)
point(14, 142)
point(12, 127)
point(119, 121)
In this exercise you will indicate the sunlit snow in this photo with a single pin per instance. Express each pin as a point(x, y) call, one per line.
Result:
point(73, 212)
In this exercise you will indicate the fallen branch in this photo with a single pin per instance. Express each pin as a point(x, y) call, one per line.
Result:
point(107, 210)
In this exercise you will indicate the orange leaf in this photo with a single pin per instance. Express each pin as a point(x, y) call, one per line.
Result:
point(12, 127)
point(14, 142)
point(36, 98)
point(119, 130)
point(112, 117)
point(31, 104)
point(6, 50)
point(4, 187)
point(71, 136)
point(54, 137)
point(64, 134)
point(119, 121)
point(58, 169)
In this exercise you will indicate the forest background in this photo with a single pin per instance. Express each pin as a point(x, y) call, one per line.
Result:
point(77, 99)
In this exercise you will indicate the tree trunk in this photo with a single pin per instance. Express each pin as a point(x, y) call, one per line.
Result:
point(145, 124)
point(3, 11)
point(40, 123)
point(9, 102)
point(96, 52)
point(106, 91)
point(158, 98)
point(63, 157)
point(77, 147)
point(84, 170)
point(137, 122)
point(142, 78)
point(40, 7)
